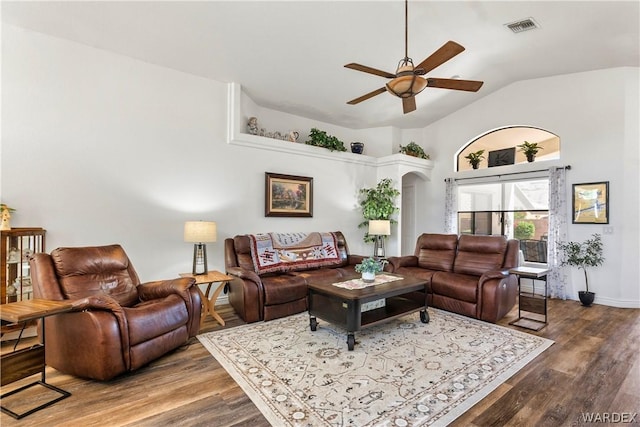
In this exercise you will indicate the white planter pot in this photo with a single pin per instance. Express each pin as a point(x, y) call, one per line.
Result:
point(368, 277)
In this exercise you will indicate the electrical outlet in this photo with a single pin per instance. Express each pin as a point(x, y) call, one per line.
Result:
point(607, 229)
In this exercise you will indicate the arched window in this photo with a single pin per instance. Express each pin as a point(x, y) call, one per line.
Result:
point(500, 147)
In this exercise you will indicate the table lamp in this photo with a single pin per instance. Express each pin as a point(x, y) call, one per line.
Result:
point(378, 229)
point(199, 233)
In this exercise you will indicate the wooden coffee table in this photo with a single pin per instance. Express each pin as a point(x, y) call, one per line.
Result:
point(343, 307)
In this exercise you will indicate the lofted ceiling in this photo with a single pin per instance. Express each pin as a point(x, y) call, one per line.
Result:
point(290, 55)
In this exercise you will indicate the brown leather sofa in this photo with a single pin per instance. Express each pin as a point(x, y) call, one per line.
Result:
point(117, 324)
point(468, 275)
point(277, 294)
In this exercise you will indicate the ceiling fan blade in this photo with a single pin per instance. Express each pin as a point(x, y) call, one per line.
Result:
point(408, 104)
point(440, 56)
point(370, 70)
point(455, 84)
point(367, 96)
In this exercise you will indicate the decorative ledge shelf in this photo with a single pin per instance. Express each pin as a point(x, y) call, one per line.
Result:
point(235, 122)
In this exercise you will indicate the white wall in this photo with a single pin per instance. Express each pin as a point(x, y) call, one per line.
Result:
point(99, 148)
point(598, 128)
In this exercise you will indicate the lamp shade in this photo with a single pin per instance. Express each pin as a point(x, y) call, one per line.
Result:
point(200, 231)
point(406, 84)
point(380, 227)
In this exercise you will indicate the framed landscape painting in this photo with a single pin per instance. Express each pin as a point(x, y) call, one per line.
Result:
point(591, 203)
point(288, 195)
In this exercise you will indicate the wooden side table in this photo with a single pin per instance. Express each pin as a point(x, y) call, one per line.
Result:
point(23, 363)
point(531, 302)
point(209, 303)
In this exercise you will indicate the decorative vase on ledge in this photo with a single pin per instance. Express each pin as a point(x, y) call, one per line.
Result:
point(357, 147)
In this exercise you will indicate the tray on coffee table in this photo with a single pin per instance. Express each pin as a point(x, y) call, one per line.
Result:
point(343, 307)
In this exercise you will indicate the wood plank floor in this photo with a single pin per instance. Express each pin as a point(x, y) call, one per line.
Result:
point(593, 367)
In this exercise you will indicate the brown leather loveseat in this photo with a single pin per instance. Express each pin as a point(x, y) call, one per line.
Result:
point(468, 275)
point(117, 324)
point(257, 295)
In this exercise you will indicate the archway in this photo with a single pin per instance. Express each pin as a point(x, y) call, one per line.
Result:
point(499, 147)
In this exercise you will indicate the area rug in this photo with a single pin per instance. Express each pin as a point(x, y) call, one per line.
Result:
point(401, 373)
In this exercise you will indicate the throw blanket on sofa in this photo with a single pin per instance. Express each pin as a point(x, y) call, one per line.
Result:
point(281, 252)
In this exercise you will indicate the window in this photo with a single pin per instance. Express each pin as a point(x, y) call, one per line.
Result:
point(516, 209)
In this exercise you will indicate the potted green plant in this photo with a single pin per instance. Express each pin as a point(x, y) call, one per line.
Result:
point(320, 138)
point(475, 158)
point(369, 267)
point(378, 203)
point(413, 149)
point(530, 149)
point(583, 255)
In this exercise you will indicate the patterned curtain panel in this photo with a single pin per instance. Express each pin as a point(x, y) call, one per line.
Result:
point(451, 207)
point(558, 211)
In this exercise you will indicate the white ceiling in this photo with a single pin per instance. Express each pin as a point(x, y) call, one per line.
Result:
point(289, 55)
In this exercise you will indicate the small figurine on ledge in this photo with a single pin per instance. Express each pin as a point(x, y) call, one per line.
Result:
point(6, 217)
point(252, 125)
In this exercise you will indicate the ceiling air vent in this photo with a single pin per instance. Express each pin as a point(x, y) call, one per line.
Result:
point(523, 25)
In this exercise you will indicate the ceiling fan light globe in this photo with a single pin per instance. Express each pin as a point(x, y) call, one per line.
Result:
point(406, 86)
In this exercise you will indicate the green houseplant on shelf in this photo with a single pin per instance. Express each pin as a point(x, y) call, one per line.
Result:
point(530, 149)
point(369, 267)
point(378, 203)
point(583, 255)
point(475, 158)
point(319, 138)
point(414, 150)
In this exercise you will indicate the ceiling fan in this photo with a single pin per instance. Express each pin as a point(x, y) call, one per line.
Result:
point(407, 82)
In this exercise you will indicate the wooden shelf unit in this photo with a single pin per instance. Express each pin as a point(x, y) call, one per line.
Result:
point(15, 246)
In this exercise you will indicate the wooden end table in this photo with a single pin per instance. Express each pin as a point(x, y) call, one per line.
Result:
point(209, 303)
point(23, 363)
point(531, 302)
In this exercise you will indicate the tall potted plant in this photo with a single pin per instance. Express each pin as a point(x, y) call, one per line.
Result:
point(583, 255)
point(378, 203)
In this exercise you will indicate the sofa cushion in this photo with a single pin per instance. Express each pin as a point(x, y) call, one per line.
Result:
point(456, 286)
point(436, 251)
point(242, 246)
point(283, 288)
point(480, 254)
point(420, 273)
point(94, 271)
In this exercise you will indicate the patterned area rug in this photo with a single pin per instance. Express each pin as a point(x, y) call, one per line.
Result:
point(402, 373)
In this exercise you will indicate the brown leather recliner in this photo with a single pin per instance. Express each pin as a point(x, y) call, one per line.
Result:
point(117, 324)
